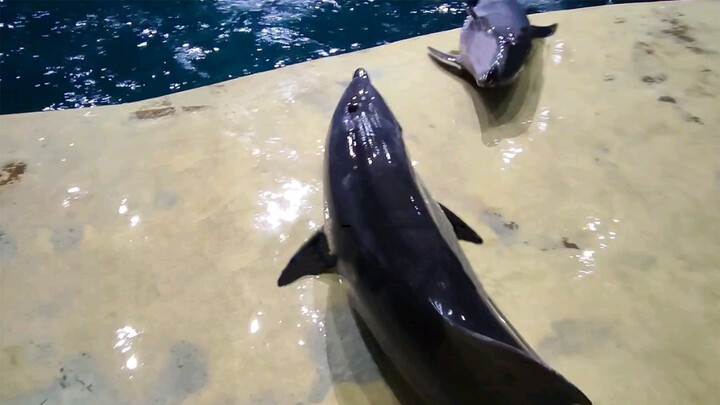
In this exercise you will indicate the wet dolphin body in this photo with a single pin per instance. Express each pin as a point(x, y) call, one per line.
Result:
point(494, 42)
point(408, 280)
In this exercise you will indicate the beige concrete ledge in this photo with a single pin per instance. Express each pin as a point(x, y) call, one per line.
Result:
point(140, 243)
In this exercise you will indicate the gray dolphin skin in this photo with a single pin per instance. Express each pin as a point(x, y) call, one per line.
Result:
point(495, 41)
point(397, 251)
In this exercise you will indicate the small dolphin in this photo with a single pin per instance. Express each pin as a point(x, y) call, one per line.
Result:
point(494, 42)
point(397, 251)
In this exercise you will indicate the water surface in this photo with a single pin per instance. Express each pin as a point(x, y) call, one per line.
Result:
point(80, 53)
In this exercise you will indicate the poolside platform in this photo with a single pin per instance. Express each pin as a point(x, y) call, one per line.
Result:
point(140, 244)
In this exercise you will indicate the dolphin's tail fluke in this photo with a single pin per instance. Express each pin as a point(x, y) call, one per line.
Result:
point(505, 375)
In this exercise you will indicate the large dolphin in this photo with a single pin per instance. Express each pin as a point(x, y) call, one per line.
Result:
point(397, 251)
point(494, 42)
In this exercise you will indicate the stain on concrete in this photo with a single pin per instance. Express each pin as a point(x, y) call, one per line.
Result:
point(153, 113)
point(692, 118)
point(64, 239)
point(574, 337)
point(192, 108)
point(678, 29)
point(654, 79)
point(78, 382)
point(185, 373)
point(8, 246)
point(507, 231)
point(569, 245)
point(12, 172)
point(165, 200)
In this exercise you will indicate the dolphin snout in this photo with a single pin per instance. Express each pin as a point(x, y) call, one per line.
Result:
point(359, 91)
point(362, 73)
point(492, 76)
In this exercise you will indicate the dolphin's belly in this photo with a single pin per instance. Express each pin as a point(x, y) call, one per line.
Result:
point(506, 16)
point(479, 51)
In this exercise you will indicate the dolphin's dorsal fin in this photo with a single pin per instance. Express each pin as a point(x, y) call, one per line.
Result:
point(462, 230)
point(445, 58)
point(482, 20)
point(542, 31)
point(312, 259)
point(509, 375)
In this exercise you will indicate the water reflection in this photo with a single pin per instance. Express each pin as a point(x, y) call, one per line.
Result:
point(254, 326)
point(123, 209)
point(511, 152)
point(125, 338)
point(284, 205)
point(132, 363)
point(587, 257)
point(75, 193)
point(558, 52)
point(543, 119)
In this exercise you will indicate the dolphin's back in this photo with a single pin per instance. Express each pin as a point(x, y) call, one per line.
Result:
point(394, 248)
point(428, 318)
point(391, 233)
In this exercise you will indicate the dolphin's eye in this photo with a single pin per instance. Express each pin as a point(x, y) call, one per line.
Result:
point(352, 107)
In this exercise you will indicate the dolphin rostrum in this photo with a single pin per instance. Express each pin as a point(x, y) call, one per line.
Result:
point(397, 250)
point(494, 42)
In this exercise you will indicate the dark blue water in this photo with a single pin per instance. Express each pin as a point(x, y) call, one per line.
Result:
point(79, 53)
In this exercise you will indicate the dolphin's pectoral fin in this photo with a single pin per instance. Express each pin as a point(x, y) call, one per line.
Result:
point(542, 32)
point(462, 230)
point(508, 374)
point(312, 259)
point(445, 58)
